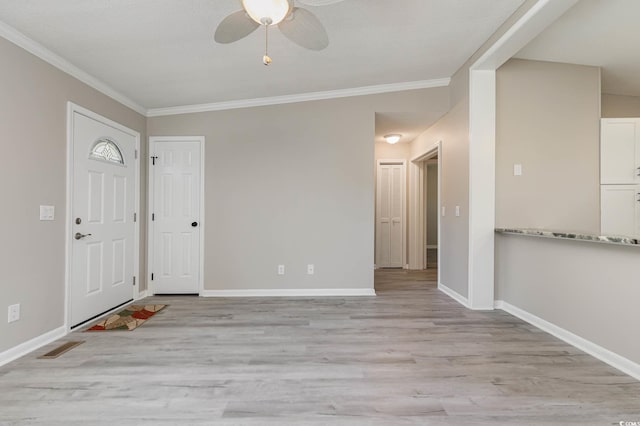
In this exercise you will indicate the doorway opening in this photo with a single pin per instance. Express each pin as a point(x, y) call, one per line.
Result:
point(425, 184)
point(431, 237)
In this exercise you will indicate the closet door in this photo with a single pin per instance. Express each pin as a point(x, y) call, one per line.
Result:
point(390, 215)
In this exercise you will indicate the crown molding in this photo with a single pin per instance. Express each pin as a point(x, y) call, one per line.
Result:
point(302, 97)
point(35, 48)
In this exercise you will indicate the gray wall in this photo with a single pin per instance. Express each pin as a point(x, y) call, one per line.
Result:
point(617, 106)
point(292, 184)
point(33, 117)
point(548, 120)
point(589, 289)
point(453, 131)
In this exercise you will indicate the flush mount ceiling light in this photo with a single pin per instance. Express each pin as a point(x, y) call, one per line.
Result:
point(394, 138)
point(297, 24)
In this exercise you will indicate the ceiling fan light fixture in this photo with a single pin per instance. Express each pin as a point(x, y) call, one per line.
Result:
point(267, 12)
point(394, 138)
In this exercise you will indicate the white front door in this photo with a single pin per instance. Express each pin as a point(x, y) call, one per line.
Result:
point(102, 217)
point(176, 222)
point(390, 214)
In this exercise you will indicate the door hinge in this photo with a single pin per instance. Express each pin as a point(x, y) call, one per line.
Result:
point(152, 276)
point(134, 281)
point(153, 160)
point(135, 155)
point(153, 216)
point(135, 217)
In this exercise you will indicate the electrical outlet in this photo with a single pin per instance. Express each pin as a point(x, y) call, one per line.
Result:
point(13, 313)
point(280, 269)
point(310, 269)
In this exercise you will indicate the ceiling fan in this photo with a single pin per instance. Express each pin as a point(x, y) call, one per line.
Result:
point(297, 24)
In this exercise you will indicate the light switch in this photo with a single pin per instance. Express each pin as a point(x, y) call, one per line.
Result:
point(443, 211)
point(457, 211)
point(47, 212)
point(517, 169)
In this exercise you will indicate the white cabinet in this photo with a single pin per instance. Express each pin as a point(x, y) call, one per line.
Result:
point(620, 210)
point(619, 151)
point(620, 176)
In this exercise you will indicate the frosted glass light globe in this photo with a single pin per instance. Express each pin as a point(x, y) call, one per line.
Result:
point(267, 12)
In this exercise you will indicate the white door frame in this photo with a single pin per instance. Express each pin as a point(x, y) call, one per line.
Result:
point(404, 208)
point(482, 147)
point(417, 232)
point(71, 110)
point(150, 241)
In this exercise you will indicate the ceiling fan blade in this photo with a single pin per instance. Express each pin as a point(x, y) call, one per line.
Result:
point(234, 27)
point(305, 29)
point(319, 2)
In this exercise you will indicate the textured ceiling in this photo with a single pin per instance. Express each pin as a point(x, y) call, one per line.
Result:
point(603, 33)
point(161, 53)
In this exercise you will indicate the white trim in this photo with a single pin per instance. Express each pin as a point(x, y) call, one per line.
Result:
point(35, 48)
point(403, 203)
point(482, 131)
point(142, 294)
point(300, 97)
point(71, 110)
point(318, 292)
point(454, 295)
point(605, 355)
point(482, 188)
point(533, 22)
point(150, 242)
point(32, 345)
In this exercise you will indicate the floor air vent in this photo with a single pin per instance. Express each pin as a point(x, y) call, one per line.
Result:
point(60, 350)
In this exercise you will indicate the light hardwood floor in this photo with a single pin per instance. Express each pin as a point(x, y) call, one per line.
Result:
point(409, 356)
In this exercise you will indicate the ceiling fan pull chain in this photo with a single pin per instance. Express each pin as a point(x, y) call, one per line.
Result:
point(266, 59)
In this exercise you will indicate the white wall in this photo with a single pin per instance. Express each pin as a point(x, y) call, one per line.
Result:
point(33, 137)
point(292, 184)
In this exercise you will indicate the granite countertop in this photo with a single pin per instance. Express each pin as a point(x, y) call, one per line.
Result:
point(627, 241)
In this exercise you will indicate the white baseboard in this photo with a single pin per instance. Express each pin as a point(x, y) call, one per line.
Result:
point(31, 345)
point(321, 292)
point(142, 294)
point(454, 295)
point(605, 355)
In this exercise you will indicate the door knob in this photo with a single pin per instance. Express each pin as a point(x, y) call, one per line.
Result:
point(80, 236)
point(194, 224)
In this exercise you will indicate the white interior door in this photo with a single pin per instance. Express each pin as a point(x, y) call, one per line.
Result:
point(102, 217)
point(176, 215)
point(391, 178)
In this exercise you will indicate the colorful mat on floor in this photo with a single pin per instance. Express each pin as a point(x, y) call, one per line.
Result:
point(129, 318)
